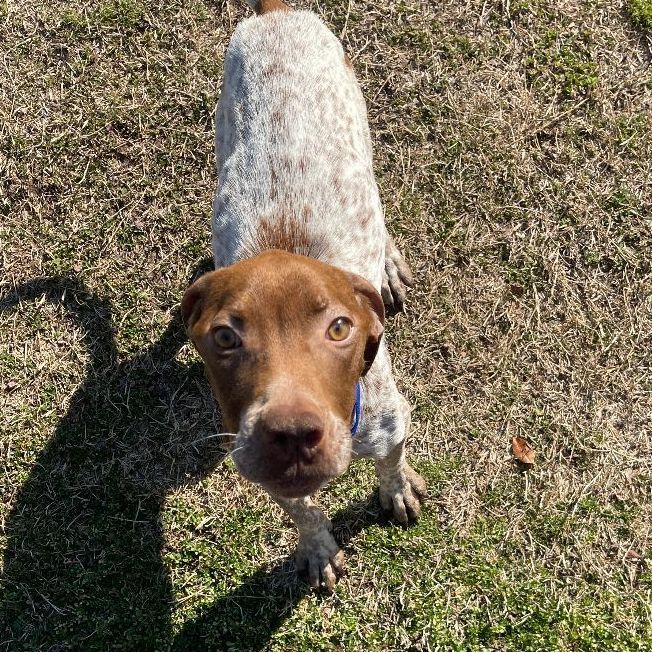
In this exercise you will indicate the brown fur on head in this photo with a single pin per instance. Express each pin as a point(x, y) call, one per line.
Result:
point(282, 382)
point(262, 7)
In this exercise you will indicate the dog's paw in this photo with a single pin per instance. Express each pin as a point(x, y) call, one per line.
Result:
point(320, 559)
point(402, 495)
point(397, 277)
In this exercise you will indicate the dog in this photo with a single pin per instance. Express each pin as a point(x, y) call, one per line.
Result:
point(290, 324)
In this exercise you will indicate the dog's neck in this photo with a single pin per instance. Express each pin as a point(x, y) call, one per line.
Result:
point(286, 234)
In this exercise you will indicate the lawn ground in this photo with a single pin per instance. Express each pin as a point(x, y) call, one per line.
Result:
point(513, 146)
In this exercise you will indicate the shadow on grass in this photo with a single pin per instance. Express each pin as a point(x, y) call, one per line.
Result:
point(82, 568)
point(246, 618)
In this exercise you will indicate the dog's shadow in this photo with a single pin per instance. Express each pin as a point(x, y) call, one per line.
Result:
point(82, 566)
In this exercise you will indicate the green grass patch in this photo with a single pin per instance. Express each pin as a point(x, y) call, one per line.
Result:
point(565, 61)
point(640, 13)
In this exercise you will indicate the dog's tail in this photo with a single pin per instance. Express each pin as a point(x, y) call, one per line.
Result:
point(265, 6)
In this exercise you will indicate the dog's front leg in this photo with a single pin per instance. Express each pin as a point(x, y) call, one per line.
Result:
point(317, 555)
point(402, 489)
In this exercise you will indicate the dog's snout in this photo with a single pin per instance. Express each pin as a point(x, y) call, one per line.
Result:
point(290, 429)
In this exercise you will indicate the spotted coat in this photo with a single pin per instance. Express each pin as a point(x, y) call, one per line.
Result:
point(293, 151)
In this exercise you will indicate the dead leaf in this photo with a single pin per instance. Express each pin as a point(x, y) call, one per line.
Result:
point(11, 386)
point(523, 452)
point(633, 555)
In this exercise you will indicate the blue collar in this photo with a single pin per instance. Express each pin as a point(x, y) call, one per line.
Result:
point(357, 409)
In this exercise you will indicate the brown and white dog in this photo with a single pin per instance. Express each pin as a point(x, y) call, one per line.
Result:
point(290, 325)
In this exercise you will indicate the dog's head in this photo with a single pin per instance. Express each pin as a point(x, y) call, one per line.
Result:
point(285, 338)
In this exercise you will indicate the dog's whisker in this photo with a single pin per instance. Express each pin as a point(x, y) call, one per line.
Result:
point(213, 436)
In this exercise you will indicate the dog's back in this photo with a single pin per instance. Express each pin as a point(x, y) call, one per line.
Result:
point(293, 150)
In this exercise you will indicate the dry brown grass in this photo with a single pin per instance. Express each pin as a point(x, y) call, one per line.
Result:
point(514, 153)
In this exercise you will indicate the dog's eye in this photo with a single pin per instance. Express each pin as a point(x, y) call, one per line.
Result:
point(226, 338)
point(340, 329)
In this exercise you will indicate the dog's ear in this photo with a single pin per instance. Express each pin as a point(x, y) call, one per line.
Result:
point(192, 302)
point(373, 302)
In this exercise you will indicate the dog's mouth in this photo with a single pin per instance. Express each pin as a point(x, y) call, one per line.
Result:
point(298, 485)
point(291, 480)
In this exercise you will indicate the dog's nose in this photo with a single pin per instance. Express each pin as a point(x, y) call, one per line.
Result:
point(290, 429)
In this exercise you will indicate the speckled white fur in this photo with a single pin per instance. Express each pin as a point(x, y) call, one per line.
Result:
point(292, 143)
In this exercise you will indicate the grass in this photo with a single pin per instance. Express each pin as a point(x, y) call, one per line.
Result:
point(640, 12)
point(513, 151)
